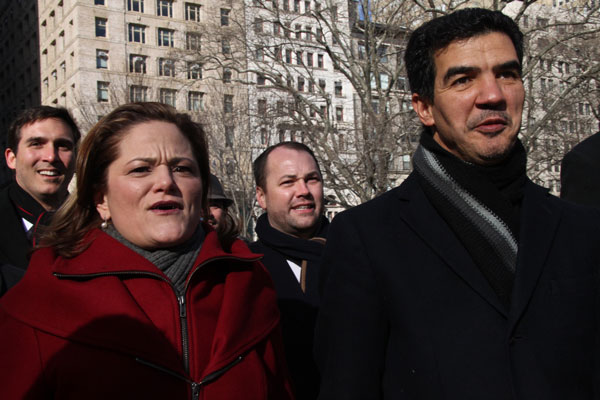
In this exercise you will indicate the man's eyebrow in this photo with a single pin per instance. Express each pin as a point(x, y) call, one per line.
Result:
point(508, 66)
point(36, 139)
point(462, 69)
point(289, 176)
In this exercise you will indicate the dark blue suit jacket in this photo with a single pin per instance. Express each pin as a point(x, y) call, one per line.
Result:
point(406, 314)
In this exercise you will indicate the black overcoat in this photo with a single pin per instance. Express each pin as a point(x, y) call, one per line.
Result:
point(406, 314)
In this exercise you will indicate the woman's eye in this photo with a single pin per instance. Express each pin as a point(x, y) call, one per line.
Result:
point(181, 168)
point(140, 170)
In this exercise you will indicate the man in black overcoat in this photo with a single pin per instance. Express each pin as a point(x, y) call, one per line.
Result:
point(40, 149)
point(579, 173)
point(291, 235)
point(467, 281)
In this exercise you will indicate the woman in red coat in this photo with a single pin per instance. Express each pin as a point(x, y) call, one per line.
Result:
point(129, 295)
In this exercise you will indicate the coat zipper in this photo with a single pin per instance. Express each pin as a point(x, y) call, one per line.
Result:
point(180, 300)
point(195, 386)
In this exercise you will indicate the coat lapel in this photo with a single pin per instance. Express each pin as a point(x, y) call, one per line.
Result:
point(416, 211)
point(539, 222)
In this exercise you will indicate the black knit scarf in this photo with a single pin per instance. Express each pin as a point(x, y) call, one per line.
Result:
point(175, 262)
point(301, 251)
point(481, 204)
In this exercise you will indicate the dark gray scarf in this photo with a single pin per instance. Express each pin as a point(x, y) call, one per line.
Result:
point(480, 204)
point(175, 262)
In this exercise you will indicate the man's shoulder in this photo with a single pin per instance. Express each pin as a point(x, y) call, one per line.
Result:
point(582, 215)
point(7, 208)
point(381, 204)
point(590, 145)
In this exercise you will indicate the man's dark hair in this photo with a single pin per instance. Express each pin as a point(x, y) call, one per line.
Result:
point(35, 114)
point(438, 33)
point(259, 165)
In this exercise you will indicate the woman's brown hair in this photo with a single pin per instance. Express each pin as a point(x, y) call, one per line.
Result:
point(100, 147)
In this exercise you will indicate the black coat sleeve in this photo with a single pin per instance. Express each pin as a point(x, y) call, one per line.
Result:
point(351, 328)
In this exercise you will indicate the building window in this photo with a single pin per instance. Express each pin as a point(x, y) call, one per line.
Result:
point(192, 12)
point(337, 88)
point(288, 56)
point(323, 111)
point(164, 8)
point(297, 6)
point(406, 162)
point(135, 5)
point(258, 25)
point(138, 93)
point(308, 33)
point(195, 101)
point(192, 41)
point(166, 67)
point(382, 53)
point(194, 70)
point(100, 27)
point(300, 84)
point(322, 84)
point(264, 137)
point(307, 7)
point(339, 114)
point(225, 17)
point(262, 107)
point(299, 57)
point(229, 135)
point(228, 103)
point(320, 61)
point(260, 80)
point(99, 2)
point(137, 64)
point(259, 54)
point(225, 47)
point(362, 51)
point(298, 31)
point(101, 59)
point(227, 75)
point(165, 37)
point(102, 91)
point(137, 33)
point(309, 59)
point(168, 96)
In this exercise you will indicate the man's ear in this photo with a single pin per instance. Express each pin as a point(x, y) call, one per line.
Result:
point(423, 108)
point(260, 198)
point(102, 206)
point(11, 158)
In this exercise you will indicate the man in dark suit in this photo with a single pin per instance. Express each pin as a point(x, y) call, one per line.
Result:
point(579, 173)
point(468, 281)
point(291, 235)
point(41, 150)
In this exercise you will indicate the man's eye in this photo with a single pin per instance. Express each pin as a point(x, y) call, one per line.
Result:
point(461, 81)
point(508, 75)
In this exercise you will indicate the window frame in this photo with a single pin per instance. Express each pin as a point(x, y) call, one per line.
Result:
point(136, 30)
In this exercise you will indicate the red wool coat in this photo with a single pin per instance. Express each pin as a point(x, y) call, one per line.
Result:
point(107, 324)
